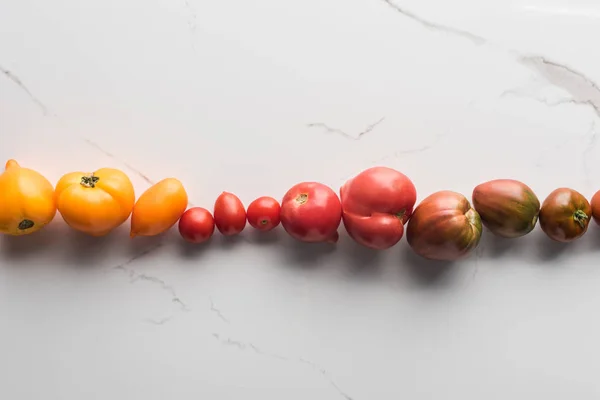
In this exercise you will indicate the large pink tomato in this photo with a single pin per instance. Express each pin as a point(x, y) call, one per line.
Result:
point(311, 212)
point(376, 204)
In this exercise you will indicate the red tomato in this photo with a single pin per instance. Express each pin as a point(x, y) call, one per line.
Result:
point(263, 213)
point(230, 214)
point(311, 212)
point(376, 204)
point(196, 225)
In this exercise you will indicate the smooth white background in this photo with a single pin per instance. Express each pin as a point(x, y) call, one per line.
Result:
point(252, 97)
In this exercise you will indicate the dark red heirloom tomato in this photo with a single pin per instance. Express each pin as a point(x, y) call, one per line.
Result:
point(196, 225)
point(508, 208)
point(230, 214)
point(565, 215)
point(311, 212)
point(595, 203)
point(375, 206)
point(263, 213)
point(444, 227)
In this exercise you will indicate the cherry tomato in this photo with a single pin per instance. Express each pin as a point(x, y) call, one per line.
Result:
point(311, 212)
point(376, 204)
point(444, 227)
point(263, 213)
point(230, 214)
point(196, 225)
point(565, 215)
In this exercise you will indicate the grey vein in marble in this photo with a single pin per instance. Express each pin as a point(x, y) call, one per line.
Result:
point(226, 341)
point(582, 89)
point(478, 40)
point(329, 129)
point(136, 276)
point(108, 154)
point(416, 150)
point(214, 309)
point(159, 321)
point(11, 76)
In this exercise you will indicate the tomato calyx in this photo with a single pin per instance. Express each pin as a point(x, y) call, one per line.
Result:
point(580, 217)
point(89, 180)
point(302, 198)
point(26, 224)
point(400, 214)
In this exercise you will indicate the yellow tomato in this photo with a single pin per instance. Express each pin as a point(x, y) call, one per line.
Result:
point(26, 200)
point(158, 208)
point(95, 203)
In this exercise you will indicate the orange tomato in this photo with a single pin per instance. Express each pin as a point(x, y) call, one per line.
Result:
point(158, 208)
point(26, 200)
point(95, 203)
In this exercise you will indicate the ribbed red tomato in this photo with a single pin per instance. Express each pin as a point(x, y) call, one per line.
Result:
point(196, 225)
point(263, 213)
point(375, 206)
point(311, 212)
point(230, 214)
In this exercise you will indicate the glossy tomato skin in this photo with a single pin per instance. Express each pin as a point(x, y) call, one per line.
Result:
point(595, 204)
point(264, 213)
point(444, 227)
point(565, 215)
point(229, 214)
point(375, 206)
point(508, 208)
point(196, 225)
point(311, 212)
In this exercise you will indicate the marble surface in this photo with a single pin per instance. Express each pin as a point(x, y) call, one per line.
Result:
point(252, 97)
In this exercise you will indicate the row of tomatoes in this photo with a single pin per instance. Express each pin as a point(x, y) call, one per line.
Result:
point(374, 207)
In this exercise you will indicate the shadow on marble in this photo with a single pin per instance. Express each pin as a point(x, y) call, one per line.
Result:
point(424, 272)
point(22, 247)
point(307, 256)
point(362, 261)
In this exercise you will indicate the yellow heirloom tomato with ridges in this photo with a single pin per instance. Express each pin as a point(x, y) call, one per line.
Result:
point(26, 200)
point(95, 203)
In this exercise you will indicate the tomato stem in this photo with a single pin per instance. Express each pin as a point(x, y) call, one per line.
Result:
point(26, 224)
point(264, 222)
point(580, 217)
point(89, 180)
point(302, 198)
point(401, 214)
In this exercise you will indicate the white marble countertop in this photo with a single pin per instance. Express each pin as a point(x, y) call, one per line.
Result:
point(252, 97)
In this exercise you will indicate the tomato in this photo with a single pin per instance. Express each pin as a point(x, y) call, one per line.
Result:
point(311, 212)
point(158, 208)
point(444, 227)
point(375, 206)
point(196, 225)
point(230, 214)
point(95, 203)
point(263, 213)
point(595, 204)
point(508, 208)
point(565, 215)
point(26, 200)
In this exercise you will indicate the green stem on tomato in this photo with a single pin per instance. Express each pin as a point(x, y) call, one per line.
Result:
point(89, 180)
point(580, 217)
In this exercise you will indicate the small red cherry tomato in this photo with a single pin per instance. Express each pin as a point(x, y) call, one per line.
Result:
point(263, 213)
point(230, 214)
point(196, 225)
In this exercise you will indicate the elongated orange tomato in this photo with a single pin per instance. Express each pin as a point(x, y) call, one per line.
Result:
point(95, 203)
point(26, 200)
point(158, 208)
